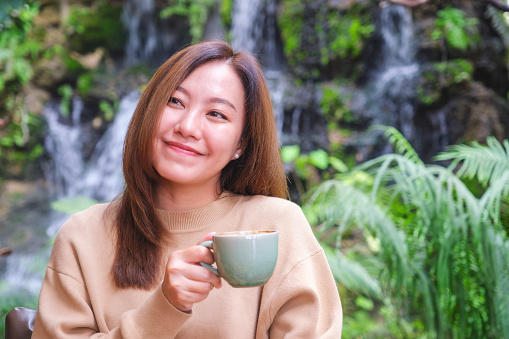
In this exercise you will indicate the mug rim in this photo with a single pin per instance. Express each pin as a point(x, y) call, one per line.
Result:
point(245, 233)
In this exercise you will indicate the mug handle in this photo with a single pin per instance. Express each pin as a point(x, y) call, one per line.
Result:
point(211, 268)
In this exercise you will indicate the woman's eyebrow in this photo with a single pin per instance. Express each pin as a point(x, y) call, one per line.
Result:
point(215, 100)
point(222, 101)
point(183, 90)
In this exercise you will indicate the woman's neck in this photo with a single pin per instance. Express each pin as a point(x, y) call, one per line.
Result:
point(185, 198)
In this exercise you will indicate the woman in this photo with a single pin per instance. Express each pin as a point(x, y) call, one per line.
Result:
point(201, 155)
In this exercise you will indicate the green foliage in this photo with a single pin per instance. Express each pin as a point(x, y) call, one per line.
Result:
point(315, 36)
point(334, 106)
point(225, 11)
point(459, 32)
point(308, 166)
point(89, 27)
point(195, 10)
point(348, 35)
point(443, 254)
point(66, 92)
point(291, 21)
point(16, 49)
point(72, 205)
point(84, 83)
point(19, 46)
point(442, 76)
point(108, 110)
point(398, 142)
point(486, 163)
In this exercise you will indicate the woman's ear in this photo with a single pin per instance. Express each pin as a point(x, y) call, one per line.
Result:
point(239, 150)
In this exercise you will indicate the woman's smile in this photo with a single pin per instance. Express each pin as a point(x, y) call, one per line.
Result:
point(200, 129)
point(182, 149)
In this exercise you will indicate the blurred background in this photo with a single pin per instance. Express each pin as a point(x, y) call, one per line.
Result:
point(392, 116)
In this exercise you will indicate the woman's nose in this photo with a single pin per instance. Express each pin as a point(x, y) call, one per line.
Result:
point(189, 125)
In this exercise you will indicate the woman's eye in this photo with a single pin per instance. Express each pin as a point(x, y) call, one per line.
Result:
point(217, 114)
point(174, 101)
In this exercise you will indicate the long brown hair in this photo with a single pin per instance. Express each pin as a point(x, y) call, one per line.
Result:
point(258, 171)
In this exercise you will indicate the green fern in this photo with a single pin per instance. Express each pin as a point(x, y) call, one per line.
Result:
point(398, 142)
point(484, 163)
point(445, 254)
point(352, 274)
point(499, 23)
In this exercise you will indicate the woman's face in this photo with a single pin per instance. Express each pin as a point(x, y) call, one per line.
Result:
point(199, 130)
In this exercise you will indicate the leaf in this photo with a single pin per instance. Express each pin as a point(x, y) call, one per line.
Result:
point(290, 153)
point(319, 158)
point(72, 205)
point(485, 163)
point(351, 274)
point(338, 164)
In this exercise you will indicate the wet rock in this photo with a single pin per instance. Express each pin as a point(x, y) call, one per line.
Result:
point(35, 98)
point(49, 72)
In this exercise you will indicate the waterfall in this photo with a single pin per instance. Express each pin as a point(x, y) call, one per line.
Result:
point(390, 97)
point(71, 173)
point(150, 39)
point(254, 30)
point(61, 143)
point(138, 18)
point(102, 178)
point(99, 177)
point(394, 86)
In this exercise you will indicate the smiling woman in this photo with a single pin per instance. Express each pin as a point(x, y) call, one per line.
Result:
point(201, 156)
point(199, 133)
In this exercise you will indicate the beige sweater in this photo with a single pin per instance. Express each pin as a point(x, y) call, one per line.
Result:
point(80, 300)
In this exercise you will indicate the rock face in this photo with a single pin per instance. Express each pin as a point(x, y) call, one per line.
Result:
point(445, 87)
point(334, 54)
point(476, 106)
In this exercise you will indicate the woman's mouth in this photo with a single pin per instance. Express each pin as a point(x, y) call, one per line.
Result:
point(181, 148)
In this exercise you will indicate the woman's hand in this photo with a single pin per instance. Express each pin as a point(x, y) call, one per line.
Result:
point(185, 281)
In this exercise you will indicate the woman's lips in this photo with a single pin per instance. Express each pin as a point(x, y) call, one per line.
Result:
point(181, 148)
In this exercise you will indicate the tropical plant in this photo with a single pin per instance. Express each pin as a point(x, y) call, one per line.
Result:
point(18, 47)
point(306, 166)
point(441, 253)
point(458, 31)
point(196, 11)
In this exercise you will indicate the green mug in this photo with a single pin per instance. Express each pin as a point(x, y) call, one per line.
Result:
point(244, 258)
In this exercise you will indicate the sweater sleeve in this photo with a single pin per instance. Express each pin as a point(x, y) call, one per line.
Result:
point(65, 312)
point(306, 304)
point(65, 308)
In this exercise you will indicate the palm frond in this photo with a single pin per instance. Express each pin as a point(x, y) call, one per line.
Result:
point(352, 274)
point(495, 269)
point(344, 205)
point(491, 200)
point(444, 210)
point(485, 163)
point(398, 142)
point(452, 250)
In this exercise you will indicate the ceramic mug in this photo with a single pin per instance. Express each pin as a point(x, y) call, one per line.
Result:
point(244, 258)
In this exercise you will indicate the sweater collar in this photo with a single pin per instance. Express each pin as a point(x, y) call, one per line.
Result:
point(195, 219)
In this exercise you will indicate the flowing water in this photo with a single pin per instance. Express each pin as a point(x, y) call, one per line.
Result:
point(257, 34)
point(390, 97)
point(71, 175)
point(389, 100)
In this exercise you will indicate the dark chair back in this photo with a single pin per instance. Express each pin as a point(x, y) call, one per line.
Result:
point(19, 323)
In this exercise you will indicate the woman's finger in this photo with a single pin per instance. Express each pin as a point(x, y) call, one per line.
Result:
point(207, 237)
